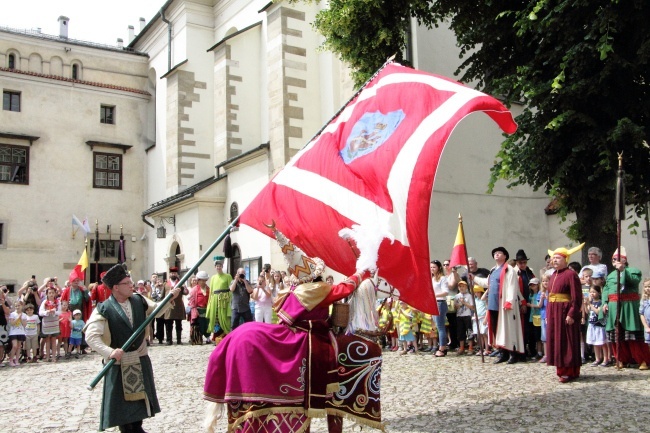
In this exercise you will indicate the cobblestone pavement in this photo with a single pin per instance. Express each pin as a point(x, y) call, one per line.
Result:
point(420, 394)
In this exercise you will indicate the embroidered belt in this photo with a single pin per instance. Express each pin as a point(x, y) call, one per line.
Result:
point(559, 297)
point(624, 297)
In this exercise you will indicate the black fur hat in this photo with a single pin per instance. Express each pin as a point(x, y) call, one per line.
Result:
point(114, 275)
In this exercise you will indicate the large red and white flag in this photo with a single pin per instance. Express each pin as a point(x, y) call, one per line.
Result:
point(369, 174)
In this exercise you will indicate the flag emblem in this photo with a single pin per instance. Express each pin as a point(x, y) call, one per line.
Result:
point(369, 132)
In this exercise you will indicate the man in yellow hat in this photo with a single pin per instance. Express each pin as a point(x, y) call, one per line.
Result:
point(563, 315)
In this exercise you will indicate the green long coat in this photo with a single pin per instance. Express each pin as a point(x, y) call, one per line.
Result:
point(630, 319)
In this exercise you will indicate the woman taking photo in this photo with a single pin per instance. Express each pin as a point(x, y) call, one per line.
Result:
point(263, 296)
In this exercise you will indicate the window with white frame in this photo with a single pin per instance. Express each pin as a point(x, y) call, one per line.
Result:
point(107, 170)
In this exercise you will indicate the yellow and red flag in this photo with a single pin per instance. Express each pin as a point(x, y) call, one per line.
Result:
point(459, 253)
point(79, 271)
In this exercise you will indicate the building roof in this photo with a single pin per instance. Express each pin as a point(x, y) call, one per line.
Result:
point(149, 24)
point(189, 192)
point(38, 35)
point(183, 195)
point(72, 80)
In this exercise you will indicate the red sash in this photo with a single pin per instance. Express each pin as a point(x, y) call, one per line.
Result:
point(625, 297)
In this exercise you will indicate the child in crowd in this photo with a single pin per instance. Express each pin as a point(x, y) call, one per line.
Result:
point(464, 310)
point(586, 282)
point(16, 321)
point(77, 326)
point(598, 279)
point(644, 309)
point(385, 320)
point(392, 331)
point(543, 300)
point(31, 333)
point(405, 328)
point(50, 311)
point(64, 328)
point(596, 331)
point(536, 347)
point(426, 329)
point(481, 330)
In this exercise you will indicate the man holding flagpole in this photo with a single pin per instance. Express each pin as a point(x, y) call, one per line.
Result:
point(129, 393)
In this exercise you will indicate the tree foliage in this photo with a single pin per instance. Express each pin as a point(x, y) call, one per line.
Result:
point(580, 68)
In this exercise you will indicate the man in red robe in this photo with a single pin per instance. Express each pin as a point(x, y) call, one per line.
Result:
point(563, 315)
point(100, 293)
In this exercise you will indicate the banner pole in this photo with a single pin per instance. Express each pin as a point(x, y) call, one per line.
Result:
point(620, 215)
point(470, 288)
point(162, 303)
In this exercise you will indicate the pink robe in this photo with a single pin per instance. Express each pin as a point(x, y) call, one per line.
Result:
point(294, 367)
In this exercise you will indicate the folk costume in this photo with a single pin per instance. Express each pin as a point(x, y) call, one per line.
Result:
point(508, 335)
point(632, 345)
point(275, 378)
point(129, 393)
point(198, 302)
point(562, 339)
point(100, 293)
point(176, 314)
point(78, 299)
point(218, 311)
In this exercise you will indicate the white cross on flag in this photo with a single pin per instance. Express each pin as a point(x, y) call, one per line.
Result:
point(369, 175)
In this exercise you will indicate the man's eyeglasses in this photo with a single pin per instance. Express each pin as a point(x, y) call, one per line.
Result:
point(128, 283)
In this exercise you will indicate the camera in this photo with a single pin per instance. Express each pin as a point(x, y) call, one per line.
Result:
point(242, 276)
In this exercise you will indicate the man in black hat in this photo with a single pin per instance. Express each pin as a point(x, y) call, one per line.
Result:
point(525, 274)
point(129, 393)
point(176, 314)
point(504, 302)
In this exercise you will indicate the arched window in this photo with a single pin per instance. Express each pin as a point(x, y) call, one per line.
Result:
point(12, 61)
point(235, 261)
point(177, 261)
point(234, 213)
point(75, 72)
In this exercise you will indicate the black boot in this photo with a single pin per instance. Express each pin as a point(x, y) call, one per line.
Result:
point(503, 357)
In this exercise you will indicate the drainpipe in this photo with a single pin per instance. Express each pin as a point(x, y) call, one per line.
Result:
point(144, 220)
point(169, 38)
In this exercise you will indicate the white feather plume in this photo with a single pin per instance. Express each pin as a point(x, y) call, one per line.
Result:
point(368, 238)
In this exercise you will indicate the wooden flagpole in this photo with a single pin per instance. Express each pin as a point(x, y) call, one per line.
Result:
point(162, 303)
point(620, 215)
point(470, 286)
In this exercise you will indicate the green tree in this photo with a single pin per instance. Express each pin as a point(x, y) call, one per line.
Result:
point(580, 69)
